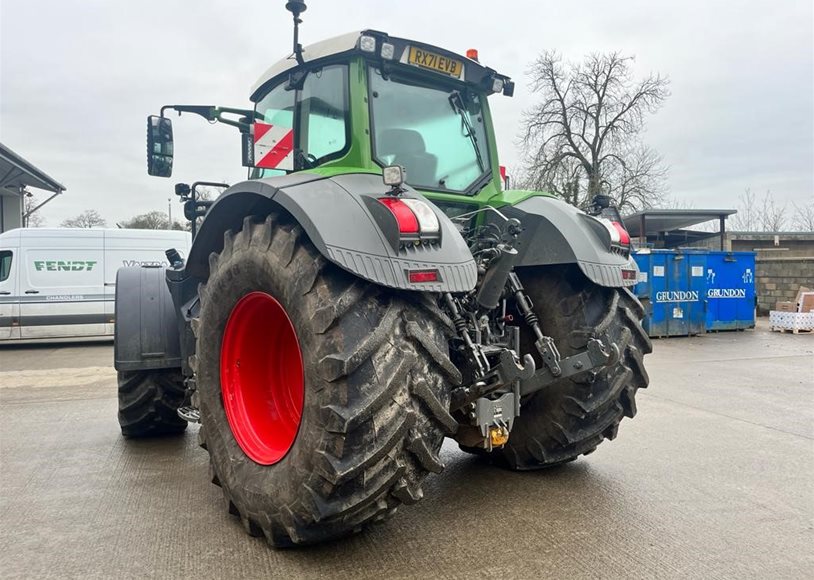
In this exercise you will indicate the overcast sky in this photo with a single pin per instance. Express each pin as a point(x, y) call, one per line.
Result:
point(79, 77)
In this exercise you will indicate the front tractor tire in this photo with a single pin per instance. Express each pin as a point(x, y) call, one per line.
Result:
point(573, 416)
point(323, 397)
point(149, 401)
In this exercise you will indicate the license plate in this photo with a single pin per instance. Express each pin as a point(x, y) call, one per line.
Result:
point(435, 62)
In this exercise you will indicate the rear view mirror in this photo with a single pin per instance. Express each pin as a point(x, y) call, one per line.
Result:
point(159, 146)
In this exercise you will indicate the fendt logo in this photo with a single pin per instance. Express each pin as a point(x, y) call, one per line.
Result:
point(64, 265)
point(726, 293)
point(677, 296)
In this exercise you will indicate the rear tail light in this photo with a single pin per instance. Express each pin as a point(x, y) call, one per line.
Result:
point(416, 219)
point(427, 220)
point(624, 237)
point(612, 231)
point(613, 222)
point(629, 274)
point(419, 276)
point(406, 219)
point(618, 234)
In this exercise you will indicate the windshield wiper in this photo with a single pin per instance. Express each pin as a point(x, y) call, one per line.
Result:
point(456, 102)
point(475, 188)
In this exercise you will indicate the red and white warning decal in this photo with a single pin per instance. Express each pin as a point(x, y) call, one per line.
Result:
point(273, 147)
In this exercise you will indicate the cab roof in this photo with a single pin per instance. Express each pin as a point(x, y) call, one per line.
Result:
point(474, 72)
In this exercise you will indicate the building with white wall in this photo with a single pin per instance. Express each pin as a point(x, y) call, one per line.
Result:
point(16, 175)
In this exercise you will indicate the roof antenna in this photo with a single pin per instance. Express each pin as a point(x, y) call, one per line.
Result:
point(297, 7)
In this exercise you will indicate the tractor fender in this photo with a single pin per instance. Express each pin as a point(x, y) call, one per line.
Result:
point(146, 331)
point(347, 225)
point(555, 232)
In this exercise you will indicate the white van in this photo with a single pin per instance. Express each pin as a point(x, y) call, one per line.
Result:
point(60, 284)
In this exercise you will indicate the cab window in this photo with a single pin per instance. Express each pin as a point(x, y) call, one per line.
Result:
point(275, 117)
point(5, 265)
point(323, 131)
point(437, 134)
point(320, 111)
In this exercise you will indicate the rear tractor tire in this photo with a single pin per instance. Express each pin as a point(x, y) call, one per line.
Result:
point(149, 401)
point(324, 398)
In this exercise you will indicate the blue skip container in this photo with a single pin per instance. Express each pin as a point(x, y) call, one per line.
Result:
point(730, 281)
point(672, 289)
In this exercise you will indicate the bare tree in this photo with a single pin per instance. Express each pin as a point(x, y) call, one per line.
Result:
point(584, 137)
point(90, 218)
point(759, 215)
point(748, 217)
point(804, 217)
point(32, 220)
point(773, 215)
point(673, 202)
point(639, 183)
point(153, 220)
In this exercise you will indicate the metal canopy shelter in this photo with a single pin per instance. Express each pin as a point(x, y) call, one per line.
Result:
point(16, 174)
point(669, 225)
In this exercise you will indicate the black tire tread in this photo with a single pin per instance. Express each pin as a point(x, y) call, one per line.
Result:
point(149, 401)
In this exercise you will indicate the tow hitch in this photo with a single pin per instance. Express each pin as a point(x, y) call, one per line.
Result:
point(596, 355)
point(493, 416)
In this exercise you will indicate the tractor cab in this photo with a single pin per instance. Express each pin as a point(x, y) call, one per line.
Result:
point(364, 101)
point(368, 100)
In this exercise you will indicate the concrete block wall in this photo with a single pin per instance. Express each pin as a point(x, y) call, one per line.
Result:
point(778, 279)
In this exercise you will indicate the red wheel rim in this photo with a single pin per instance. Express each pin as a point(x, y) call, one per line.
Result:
point(261, 378)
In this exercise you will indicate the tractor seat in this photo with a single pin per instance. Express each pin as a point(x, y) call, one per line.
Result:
point(408, 150)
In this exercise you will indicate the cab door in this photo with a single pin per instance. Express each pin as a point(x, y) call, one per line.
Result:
point(9, 296)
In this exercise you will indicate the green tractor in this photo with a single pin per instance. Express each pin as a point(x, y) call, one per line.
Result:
point(372, 289)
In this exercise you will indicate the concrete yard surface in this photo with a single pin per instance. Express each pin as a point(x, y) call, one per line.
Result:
point(714, 478)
